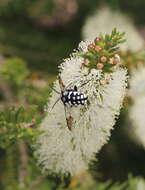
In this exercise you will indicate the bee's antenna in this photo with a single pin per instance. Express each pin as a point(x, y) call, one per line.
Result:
point(55, 103)
point(79, 86)
point(54, 90)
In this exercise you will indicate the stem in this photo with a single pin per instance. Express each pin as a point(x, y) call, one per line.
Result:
point(23, 171)
point(10, 176)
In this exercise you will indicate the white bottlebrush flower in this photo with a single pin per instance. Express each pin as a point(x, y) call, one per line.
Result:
point(106, 19)
point(137, 117)
point(137, 83)
point(136, 130)
point(70, 151)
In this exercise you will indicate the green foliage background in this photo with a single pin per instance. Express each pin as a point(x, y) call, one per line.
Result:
point(30, 54)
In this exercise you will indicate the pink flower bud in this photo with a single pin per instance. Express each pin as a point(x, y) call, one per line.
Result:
point(97, 48)
point(97, 39)
point(91, 46)
point(100, 65)
point(103, 59)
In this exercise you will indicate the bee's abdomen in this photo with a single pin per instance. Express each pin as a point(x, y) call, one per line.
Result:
point(73, 98)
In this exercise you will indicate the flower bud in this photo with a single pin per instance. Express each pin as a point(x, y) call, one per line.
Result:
point(97, 48)
point(100, 66)
point(103, 59)
point(97, 39)
point(87, 62)
point(91, 46)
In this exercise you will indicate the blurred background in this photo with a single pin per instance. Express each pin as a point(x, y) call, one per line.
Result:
point(35, 37)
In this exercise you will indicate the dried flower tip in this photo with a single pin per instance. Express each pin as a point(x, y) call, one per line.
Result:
point(97, 48)
point(100, 66)
point(103, 59)
point(28, 125)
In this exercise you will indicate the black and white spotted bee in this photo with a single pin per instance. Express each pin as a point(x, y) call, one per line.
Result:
point(70, 97)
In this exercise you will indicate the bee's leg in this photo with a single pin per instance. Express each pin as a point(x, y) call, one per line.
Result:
point(69, 122)
point(69, 119)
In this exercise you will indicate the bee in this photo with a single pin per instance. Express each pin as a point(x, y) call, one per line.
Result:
point(70, 97)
